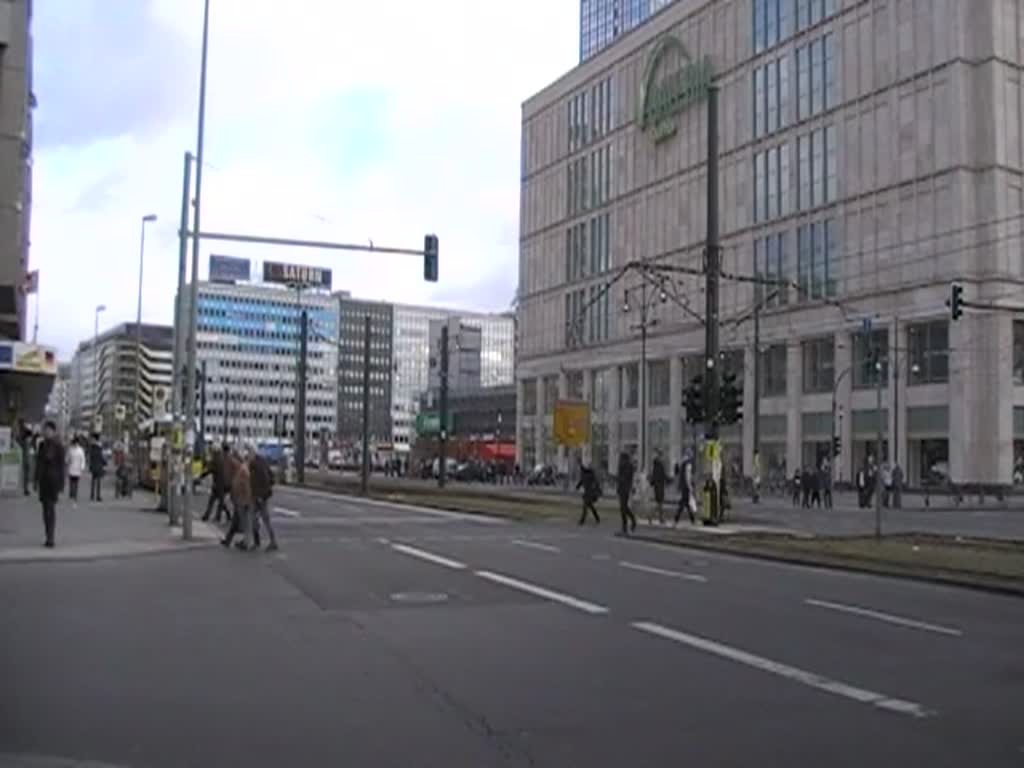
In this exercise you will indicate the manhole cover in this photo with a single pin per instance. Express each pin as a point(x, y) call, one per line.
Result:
point(419, 597)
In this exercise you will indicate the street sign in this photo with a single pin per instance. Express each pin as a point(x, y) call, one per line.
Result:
point(429, 423)
point(120, 412)
point(572, 423)
point(296, 274)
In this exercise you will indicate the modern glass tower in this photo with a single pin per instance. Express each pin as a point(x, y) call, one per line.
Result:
point(601, 21)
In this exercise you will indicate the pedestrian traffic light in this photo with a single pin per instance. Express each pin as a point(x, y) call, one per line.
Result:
point(694, 400)
point(430, 258)
point(836, 446)
point(956, 301)
point(731, 400)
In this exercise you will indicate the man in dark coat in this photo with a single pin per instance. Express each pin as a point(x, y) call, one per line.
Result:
point(97, 468)
point(624, 487)
point(591, 492)
point(659, 477)
point(218, 486)
point(261, 480)
point(50, 477)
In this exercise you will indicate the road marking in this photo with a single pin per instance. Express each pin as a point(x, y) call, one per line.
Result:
point(285, 511)
point(548, 594)
point(887, 617)
point(796, 674)
point(662, 571)
point(357, 501)
point(535, 545)
point(430, 557)
point(382, 540)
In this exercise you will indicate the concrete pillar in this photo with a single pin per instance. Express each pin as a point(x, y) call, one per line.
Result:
point(588, 398)
point(613, 418)
point(841, 471)
point(520, 388)
point(675, 427)
point(794, 393)
point(899, 374)
point(563, 393)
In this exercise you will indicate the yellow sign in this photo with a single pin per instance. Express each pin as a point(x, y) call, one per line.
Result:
point(572, 423)
point(712, 451)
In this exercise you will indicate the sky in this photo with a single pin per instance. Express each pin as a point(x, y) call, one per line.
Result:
point(337, 120)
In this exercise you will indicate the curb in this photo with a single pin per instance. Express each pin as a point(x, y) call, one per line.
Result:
point(848, 566)
point(91, 557)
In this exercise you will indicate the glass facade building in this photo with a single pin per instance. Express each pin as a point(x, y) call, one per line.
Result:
point(601, 21)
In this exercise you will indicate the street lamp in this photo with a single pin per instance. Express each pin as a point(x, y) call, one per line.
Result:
point(96, 366)
point(648, 301)
point(147, 219)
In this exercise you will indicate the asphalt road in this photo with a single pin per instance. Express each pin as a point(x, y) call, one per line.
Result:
point(386, 636)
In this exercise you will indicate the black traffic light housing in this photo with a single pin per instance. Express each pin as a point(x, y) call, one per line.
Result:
point(732, 400)
point(693, 399)
point(956, 301)
point(836, 446)
point(430, 258)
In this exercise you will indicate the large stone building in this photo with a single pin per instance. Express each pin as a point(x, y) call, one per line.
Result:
point(871, 153)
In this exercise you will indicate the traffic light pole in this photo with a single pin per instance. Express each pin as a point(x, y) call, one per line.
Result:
point(442, 468)
point(202, 402)
point(713, 269)
point(755, 464)
point(300, 401)
point(878, 443)
point(364, 480)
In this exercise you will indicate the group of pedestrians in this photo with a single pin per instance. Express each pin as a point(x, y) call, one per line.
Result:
point(243, 476)
point(811, 486)
point(626, 488)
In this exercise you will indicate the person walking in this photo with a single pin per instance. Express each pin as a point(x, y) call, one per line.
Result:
point(76, 466)
point(241, 500)
point(26, 443)
point(262, 483)
point(659, 477)
point(624, 487)
point(796, 487)
point(217, 471)
point(825, 479)
point(49, 478)
point(591, 492)
point(686, 498)
point(97, 465)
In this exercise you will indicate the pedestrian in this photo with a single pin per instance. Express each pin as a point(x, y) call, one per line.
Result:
point(796, 487)
point(686, 497)
point(217, 471)
point(825, 481)
point(25, 442)
point(658, 479)
point(591, 492)
point(886, 483)
point(261, 479)
point(897, 486)
point(49, 478)
point(241, 500)
point(97, 465)
point(805, 488)
point(624, 487)
point(76, 466)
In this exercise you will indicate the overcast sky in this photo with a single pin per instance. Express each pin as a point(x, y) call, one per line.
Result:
point(326, 119)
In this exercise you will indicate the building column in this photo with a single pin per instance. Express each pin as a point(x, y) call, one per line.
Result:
point(899, 372)
point(843, 394)
point(747, 424)
point(588, 386)
point(520, 390)
point(613, 418)
point(794, 391)
point(563, 393)
point(675, 427)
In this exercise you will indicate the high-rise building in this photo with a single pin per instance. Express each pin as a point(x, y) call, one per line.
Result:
point(16, 103)
point(602, 21)
point(248, 337)
point(868, 158)
point(104, 381)
point(351, 356)
point(58, 407)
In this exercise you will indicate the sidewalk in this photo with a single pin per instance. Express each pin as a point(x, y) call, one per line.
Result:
point(92, 530)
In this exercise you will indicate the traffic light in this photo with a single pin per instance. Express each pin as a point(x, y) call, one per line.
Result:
point(693, 399)
point(956, 301)
point(732, 400)
point(430, 258)
point(836, 446)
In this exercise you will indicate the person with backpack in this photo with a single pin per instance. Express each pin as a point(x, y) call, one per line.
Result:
point(262, 479)
point(591, 492)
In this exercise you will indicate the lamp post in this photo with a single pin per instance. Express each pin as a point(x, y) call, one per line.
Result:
point(646, 305)
point(96, 365)
point(148, 218)
point(832, 443)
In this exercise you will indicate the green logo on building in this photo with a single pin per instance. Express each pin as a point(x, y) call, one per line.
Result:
point(663, 96)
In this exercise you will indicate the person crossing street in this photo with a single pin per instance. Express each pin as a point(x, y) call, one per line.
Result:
point(591, 492)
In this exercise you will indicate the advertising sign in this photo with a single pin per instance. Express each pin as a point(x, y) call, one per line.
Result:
point(296, 274)
point(429, 423)
point(672, 82)
point(229, 269)
point(28, 358)
point(572, 423)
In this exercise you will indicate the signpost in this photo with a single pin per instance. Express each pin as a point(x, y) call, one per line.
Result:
point(572, 423)
point(296, 274)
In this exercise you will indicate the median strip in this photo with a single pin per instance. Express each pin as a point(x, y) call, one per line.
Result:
point(810, 679)
point(886, 617)
point(547, 594)
point(662, 571)
point(430, 557)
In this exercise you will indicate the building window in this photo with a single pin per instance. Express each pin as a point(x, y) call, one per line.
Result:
point(759, 101)
point(870, 359)
point(529, 397)
point(771, 96)
point(772, 23)
point(773, 371)
point(929, 352)
point(599, 391)
point(817, 81)
point(629, 386)
point(1018, 351)
point(770, 265)
point(771, 183)
point(818, 357)
point(810, 12)
point(817, 260)
point(574, 385)
point(550, 393)
point(658, 383)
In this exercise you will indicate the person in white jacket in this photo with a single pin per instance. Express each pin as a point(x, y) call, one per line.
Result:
point(76, 466)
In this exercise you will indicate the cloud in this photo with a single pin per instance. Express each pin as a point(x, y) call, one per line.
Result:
point(333, 121)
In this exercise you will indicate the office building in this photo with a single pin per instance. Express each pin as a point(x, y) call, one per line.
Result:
point(351, 356)
point(869, 157)
point(58, 406)
point(603, 21)
point(248, 338)
point(414, 353)
point(104, 383)
point(464, 355)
